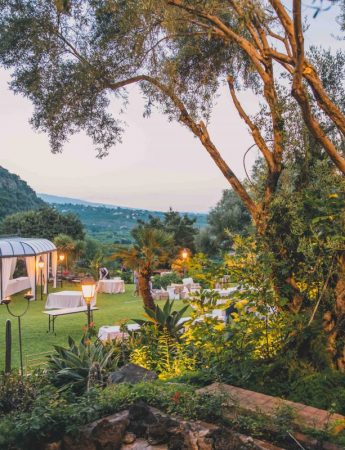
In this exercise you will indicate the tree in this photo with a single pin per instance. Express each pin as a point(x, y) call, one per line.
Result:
point(150, 250)
point(45, 223)
point(228, 216)
point(70, 247)
point(68, 60)
point(178, 225)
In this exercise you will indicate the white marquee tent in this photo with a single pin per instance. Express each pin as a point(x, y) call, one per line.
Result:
point(32, 250)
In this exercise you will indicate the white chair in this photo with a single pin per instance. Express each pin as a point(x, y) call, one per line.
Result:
point(172, 293)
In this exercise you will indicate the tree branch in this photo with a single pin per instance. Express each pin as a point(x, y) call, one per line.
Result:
point(259, 140)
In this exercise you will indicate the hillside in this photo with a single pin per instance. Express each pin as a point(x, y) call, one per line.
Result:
point(114, 223)
point(16, 195)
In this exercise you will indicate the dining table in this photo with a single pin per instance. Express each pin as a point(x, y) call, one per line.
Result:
point(111, 286)
point(65, 299)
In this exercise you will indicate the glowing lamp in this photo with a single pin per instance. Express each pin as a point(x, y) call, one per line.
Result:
point(61, 257)
point(40, 264)
point(184, 254)
point(88, 287)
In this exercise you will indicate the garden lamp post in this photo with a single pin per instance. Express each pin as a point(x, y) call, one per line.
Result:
point(88, 287)
point(184, 255)
point(41, 267)
point(28, 296)
point(61, 259)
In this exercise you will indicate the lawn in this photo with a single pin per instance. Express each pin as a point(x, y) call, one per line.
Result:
point(112, 309)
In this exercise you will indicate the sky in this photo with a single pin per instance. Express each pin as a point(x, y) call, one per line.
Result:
point(157, 166)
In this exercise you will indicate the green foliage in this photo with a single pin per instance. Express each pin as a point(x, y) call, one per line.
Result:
point(157, 345)
point(54, 414)
point(205, 271)
point(115, 224)
point(178, 225)
point(165, 319)
point(45, 223)
point(324, 390)
point(80, 366)
point(149, 251)
point(174, 398)
point(228, 217)
point(16, 195)
point(17, 393)
point(162, 281)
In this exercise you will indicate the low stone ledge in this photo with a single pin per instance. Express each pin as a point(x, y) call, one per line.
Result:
point(146, 428)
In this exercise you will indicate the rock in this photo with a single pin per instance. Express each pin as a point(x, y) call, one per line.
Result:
point(142, 444)
point(109, 435)
point(53, 446)
point(131, 373)
point(104, 434)
point(129, 438)
point(80, 443)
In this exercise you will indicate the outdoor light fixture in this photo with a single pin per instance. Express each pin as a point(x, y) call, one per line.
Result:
point(41, 267)
point(61, 259)
point(184, 254)
point(6, 301)
point(88, 287)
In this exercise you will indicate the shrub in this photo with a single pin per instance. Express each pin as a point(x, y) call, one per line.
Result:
point(55, 413)
point(173, 398)
point(81, 365)
point(162, 281)
point(323, 390)
point(18, 393)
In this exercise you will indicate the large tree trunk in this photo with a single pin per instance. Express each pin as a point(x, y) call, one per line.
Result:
point(145, 291)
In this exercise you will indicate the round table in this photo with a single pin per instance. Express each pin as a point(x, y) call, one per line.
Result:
point(111, 286)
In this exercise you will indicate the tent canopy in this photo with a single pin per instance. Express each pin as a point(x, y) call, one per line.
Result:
point(32, 250)
point(18, 246)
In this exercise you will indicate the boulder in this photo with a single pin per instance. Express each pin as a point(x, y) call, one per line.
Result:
point(104, 434)
point(131, 373)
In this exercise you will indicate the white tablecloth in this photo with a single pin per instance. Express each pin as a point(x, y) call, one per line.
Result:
point(109, 333)
point(17, 285)
point(66, 299)
point(111, 286)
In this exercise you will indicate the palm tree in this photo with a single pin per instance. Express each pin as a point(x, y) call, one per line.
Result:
point(150, 249)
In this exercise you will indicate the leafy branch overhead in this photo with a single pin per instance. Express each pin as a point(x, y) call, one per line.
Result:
point(70, 58)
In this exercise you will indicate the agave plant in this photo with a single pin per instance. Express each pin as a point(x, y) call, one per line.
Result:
point(165, 319)
point(80, 365)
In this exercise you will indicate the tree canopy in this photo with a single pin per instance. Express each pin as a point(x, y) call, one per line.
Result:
point(70, 57)
point(45, 222)
point(180, 226)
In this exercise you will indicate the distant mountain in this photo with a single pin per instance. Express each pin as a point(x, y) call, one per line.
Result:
point(58, 200)
point(16, 195)
point(109, 223)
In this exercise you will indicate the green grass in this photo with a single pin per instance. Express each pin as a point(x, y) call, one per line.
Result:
point(112, 309)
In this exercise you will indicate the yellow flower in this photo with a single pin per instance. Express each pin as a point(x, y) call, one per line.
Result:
point(333, 196)
point(220, 326)
point(241, 304)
